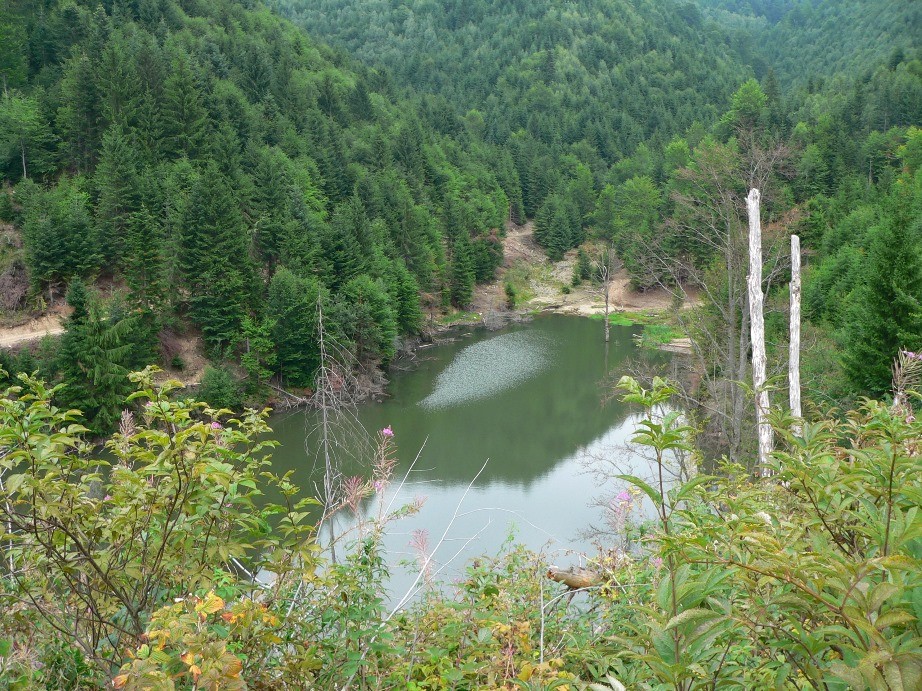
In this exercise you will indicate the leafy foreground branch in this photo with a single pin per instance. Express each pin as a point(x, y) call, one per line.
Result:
point(178, 561)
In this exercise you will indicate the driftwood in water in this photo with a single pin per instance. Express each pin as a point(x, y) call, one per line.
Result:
point(575, 577)
point(293, 399)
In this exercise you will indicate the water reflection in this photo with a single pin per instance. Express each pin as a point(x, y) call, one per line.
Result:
point(527, 401)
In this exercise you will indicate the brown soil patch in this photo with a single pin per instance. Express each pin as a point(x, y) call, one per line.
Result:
point(188, 347)
point(548, 279)
point(34, 329)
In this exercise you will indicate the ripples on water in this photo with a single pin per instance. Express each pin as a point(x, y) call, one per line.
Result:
point(484, 369)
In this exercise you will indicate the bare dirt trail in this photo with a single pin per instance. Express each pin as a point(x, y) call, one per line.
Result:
point(547, 282)
point(51, 324)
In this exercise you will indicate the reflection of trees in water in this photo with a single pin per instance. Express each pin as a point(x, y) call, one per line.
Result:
point(526, 430)
point(621, 508)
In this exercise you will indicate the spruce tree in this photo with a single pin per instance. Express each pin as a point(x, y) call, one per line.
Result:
point(461, 273)
point(185, 118)
point(887, 312)
point(92, 359)
point(143, 263)
point(292, 307)
point(404, 292)
point(368, 319)
point(119, 195)
point(214, 258)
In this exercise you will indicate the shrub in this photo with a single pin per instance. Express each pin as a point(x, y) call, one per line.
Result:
point(220, 389)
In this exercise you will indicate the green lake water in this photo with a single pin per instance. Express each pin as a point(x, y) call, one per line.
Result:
point(527, 400)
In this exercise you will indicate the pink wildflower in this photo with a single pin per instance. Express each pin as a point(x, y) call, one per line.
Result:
point(379, 485)
point(216, 425)
point(624, 496)
point(387, 432)
point(108, 497)
point(657, 562)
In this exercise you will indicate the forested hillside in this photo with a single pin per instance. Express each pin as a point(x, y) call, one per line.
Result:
point(639, 124)
point(570, 90)
point(291, 197)
point(227, 170)
point(231, 173)
point(805, 41)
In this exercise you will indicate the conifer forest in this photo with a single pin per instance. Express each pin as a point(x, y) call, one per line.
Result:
point(219, 216)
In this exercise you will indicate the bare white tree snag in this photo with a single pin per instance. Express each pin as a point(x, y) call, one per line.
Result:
point(757, 329)
point(337, 429)
point(606, 266)
point(794, 352)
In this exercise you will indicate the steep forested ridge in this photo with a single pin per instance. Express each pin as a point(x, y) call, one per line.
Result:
point(626, 121)
point(228, 171)
point(808, 40)
point(568, 88)
point(233, 174)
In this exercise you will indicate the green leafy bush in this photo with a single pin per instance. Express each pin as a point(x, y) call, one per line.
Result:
point(220, 388)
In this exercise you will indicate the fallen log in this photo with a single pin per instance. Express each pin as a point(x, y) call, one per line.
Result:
point(575, 577)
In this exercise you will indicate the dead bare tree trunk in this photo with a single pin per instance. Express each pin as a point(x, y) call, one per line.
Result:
point(757, 330)
point(325, 398)
point(606, 270)
point(794, 346)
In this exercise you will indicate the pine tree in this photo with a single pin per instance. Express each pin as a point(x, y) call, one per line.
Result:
point(343, 254)
point(92, 362)
point(404, 292)
point(185, 119)
point(143, 263)
point(292, 307)
point(214, 258)
point(367, 317)
point(79, 118)
point(119, 86)
point(58, 233)
point(117, 180)
point(887, 312)
point(461, 274)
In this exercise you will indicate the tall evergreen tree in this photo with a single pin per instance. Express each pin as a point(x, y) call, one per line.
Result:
point(119, 194)
point(92, 361)
point(214, 258)
point(461, 272)
point(185, 118)
point(292, 307)
point(887, 312)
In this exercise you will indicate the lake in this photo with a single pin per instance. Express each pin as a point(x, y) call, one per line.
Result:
point(526, 401)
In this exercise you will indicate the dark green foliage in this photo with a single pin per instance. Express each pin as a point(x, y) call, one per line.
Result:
point(292, 306)
point(346, 243)
point(118, 196)
point(591, 81)
point(58, 232)
point(184, 116)
point(96, 353)
point(803, 40)
point(404, 294)
point(193, 150)
point(144, 259)
point(219, 388)
point(462, 273)
point(364, 314)
point(887, 309)
point(558, 225)
point(214, 257)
